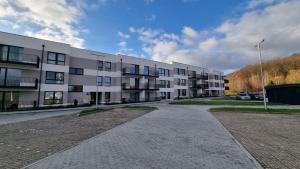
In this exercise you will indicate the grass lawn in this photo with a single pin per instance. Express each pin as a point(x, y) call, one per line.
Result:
point(92, 111)
point(220, 102)
point(253, 110)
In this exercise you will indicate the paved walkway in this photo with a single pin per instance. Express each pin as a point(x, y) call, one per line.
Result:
point(171, 137)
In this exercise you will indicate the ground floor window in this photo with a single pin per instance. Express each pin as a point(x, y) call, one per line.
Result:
point(9, 100)
point(107, 96)
point(163, 95)
point(53, 98)
point(168, 95)
point(183, 92)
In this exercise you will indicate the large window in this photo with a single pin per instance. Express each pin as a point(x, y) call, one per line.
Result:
point(11, 53)
point(99, 80)
point(75, 71)
point(56, 58)
point(53, 98)
point(183, 92)
point(107, 96)
point(146, 70)
point(10, 77)
point(107, 66)
point(183, 82)
point(54, 77)
point(107, 80)
point(100, 65)
point(182, 72)
point(163, 84)
point(164, 72)
point(75, 88)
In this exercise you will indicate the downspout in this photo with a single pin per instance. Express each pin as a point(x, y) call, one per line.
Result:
point(40, 79)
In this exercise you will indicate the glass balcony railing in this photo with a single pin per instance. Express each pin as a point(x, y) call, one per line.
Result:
point(18, 82)
point(20, 58)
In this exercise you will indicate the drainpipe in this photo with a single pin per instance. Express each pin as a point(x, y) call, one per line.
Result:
point(40, 79)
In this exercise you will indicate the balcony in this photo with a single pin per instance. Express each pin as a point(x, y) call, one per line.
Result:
point(139, 88)
point(151, 87)
point(18, 82)
point(139, 72)
point(198, 76)
point(129, 87)
point(20, 59)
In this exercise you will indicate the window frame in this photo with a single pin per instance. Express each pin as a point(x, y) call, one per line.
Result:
point(99, 83)
point(53, 100)
point(55, 81)
point(100, 65)
point(56, 61)
point(76, 71)
point(74, 87)
point(108, 68)
point(110, 80)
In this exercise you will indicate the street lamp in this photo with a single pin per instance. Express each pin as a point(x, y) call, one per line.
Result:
point(262, 74)
point(97, 65)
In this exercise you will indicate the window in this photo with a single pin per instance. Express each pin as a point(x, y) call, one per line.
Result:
point(108, 66)
point(168, 84)
point(163, 84)
point(167, 72)
point(183, 82)
point(134, 69)
point(146, 70)
point(75, 88)
point(53, 98)
point(107, 96)
point(56, 58)
point(108, 80)
point(183, 92)
point(182, 72)
point(54, 77)
point(11, 53)
point(100, 65)
point(99, 80)
point(163, 95)
point(177, 71)
point(75, 71)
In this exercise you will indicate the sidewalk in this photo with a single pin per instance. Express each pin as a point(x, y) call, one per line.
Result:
point(172, 137)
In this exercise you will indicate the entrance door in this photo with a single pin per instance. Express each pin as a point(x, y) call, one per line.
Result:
point(93, 97)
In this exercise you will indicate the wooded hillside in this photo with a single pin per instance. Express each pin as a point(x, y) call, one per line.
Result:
point(277, 71)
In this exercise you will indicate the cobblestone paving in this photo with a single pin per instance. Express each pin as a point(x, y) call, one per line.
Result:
point(171, 137)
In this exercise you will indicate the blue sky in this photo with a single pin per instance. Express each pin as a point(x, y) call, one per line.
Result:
point(211, 33)
point(112, 17)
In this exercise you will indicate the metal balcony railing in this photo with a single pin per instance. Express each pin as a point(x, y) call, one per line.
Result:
point(20, 58)
point(139, 72)
point(18, 82)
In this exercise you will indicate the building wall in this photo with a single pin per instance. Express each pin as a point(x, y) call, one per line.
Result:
point(87, 60)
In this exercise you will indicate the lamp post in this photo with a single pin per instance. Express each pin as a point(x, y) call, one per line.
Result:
point(97, 65)
point(262, 74)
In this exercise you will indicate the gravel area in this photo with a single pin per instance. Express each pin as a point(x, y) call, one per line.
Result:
point(273, 139)
point(25, 142)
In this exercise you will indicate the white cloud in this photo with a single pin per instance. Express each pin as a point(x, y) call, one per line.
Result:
point(150, 18)
point(230, 45)
point(53, 20)
point(123, 49)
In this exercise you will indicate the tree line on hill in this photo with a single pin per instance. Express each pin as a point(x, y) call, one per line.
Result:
point(277, 71)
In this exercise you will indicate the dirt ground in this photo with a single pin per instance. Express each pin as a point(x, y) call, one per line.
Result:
point(25, 142)
point(273, 139)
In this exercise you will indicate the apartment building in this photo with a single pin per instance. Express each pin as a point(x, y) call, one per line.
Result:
point(36, 72)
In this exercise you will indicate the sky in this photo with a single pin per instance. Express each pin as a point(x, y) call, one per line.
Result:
point(217, 34)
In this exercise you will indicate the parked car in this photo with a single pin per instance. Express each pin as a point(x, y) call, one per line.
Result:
point(243, 96)
point(256, 96)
